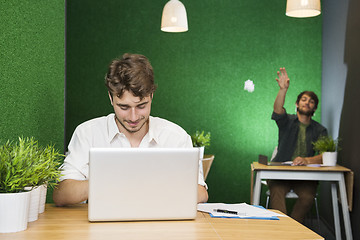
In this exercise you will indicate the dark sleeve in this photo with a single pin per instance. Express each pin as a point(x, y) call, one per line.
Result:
point(320, 130)
point(280, 119)
point(323, 132)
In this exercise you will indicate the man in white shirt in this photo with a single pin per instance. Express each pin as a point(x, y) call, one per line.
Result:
point(130, 83)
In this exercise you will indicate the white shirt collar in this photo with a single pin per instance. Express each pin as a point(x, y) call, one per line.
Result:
point(113, 130)
point(153, 134)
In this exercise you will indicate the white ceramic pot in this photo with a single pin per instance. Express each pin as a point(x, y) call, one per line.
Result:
point(34, 203)
point(14, 211)
point(43, 191)
point(329, 158)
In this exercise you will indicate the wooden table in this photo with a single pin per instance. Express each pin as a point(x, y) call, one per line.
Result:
point(335, 175)
point(72, 223)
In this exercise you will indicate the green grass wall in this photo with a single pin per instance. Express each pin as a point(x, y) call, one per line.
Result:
point(32, 71)
point(200, 73)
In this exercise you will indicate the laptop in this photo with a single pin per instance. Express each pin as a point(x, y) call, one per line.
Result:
point(136, 184)
point(264, 160)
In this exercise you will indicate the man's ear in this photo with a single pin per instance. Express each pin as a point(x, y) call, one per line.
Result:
point(111, 98)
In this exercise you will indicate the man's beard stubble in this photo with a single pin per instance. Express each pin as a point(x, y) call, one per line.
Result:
point(306, 113)
point(129, 130)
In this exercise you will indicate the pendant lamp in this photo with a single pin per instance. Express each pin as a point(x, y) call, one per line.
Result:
point(174, 17)
point(303, 8)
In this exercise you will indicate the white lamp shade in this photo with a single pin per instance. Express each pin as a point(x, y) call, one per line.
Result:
point(174, 17)
point(303, 8)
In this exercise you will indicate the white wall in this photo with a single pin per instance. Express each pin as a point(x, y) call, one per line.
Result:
point(333, 67)
point(334, 71)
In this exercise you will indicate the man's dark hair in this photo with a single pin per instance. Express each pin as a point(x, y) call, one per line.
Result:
point(133, 73)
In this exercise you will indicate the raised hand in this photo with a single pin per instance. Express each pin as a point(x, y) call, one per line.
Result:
point(283, 79)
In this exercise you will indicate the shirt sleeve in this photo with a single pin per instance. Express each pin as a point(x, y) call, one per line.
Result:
point(201, 181)
point(280, 119)
point(76, 163)
point(324, 132)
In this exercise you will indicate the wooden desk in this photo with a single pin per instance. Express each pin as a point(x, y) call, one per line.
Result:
point(332, 174)
point(72, 223)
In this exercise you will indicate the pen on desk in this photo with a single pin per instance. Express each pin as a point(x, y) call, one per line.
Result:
point(228, 211)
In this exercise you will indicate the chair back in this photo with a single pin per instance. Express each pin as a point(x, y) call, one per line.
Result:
point(206, 162)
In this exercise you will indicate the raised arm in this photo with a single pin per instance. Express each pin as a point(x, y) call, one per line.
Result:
point(283, 82)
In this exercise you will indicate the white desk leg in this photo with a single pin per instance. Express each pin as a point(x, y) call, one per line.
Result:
point(345, 208)
point(335, 211)
point(257, 189)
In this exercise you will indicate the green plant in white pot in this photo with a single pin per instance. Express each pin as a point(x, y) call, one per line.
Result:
point(328, 147)
point(48, 173)
point(201, 140)
point(22, 165)
point(46, 162)
point(15, 175)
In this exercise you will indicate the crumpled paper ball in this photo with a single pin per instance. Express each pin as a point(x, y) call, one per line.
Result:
point(249, 86)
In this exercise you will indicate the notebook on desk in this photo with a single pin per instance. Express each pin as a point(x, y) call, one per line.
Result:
point(134, 184)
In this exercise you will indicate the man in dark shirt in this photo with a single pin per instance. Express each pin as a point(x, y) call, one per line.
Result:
point(296, 135)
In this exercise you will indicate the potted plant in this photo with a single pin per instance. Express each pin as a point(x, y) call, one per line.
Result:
point(46, 172)
point(201, 140)
point(328, 147)
point(49, 162)
point(23, 164)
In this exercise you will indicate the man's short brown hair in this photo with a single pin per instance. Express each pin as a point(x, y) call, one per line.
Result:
point(133, 73)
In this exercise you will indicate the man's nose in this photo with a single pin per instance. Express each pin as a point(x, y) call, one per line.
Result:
point(133, 114)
